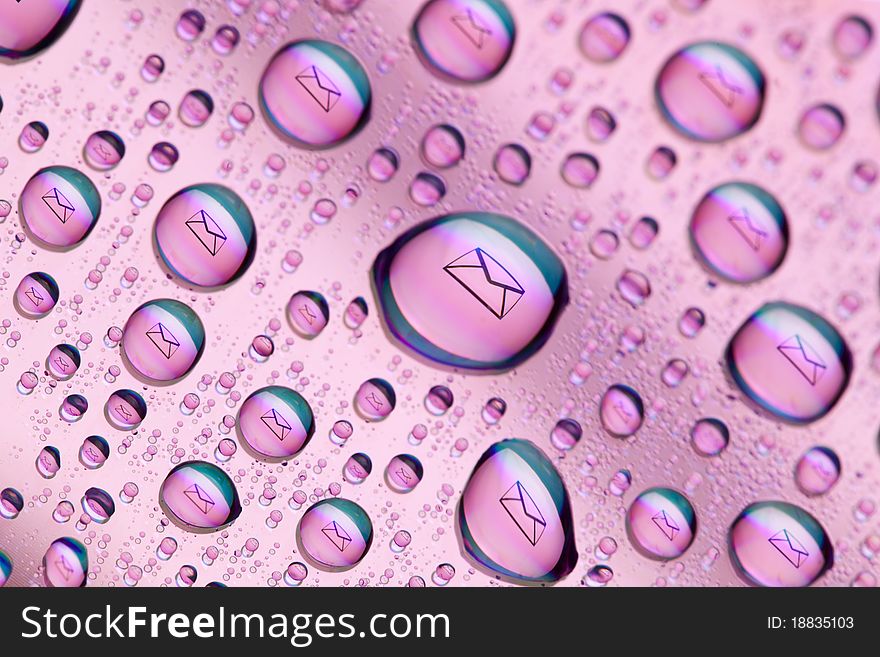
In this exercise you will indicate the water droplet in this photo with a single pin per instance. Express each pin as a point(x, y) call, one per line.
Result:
point(621, 411)
point(125, 409)
point(163, 340)
point(98, 504)
point(308, 313)
point(710, 436)
point(501, 288)
point(442, 146)
point(604, 37)
point(33, 136)
point(512, 484)
point(205, 234)
point(103, 150)
point(438, 400)
point(494, 410)
point(383, 164)
point(403, 473)
point(28, 32)
point(821, 126)
point(566, 434)
point(36, 295)
point(63, 362)
point(163, 156)
point(779, 544)
point(48, 462)
point(790, 361)
point(357, 468)
point(513, 164)
point(60, 206)
point(634, 287)
point(710, 91)
point(276, 423)
point(199, 497)
point(315, 93)
point(740, 232)
point(464, 40)
point(65, 564)
point(580, 170)
point(375, 399)
point(852, 36)
point(661, 523)
point(817, 471)
point(195, 108)
point(334, 534)
point(94, 452)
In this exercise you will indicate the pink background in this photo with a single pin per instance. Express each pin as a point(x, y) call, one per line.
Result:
point(834, 251)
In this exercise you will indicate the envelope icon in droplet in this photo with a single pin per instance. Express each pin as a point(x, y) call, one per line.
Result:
point(164, 339)
point(197, 495)
point(276, 423)
point(48, 464)
point(725, 91)
point(622, 411)
point(307, 314)
point(748, 229)
point(61, 363)
point(487, 280)
point(337, 535)
point(804, 358)
point(34, 295)
point(789, 547)
point(473, 28)
point(207, 231)
point(58, 204)
point(320, 87)
point(666, 525)
point(524, 512)
point(375, 402)
point(64, 568)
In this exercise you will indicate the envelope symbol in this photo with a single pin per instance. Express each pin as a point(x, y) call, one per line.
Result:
point(374, 400)
point(58, 204)
point(124, 411)
point(199, 497)
point(92, 454)
point(725, 91)
point(789, 547)
point(404, 475)
point(748, 229)
point(805, 359)
point(163, 339)
point(473, 28)
point(307, 314)
point(320, 87)
point(64, 568)
point(276, 423)
point(622, 411)
point(104, 152)
point(666, 525)
point(33, 294)
point(62, 363)
point(207, 231)
point(337, 535)
point(524, 512)
point(487, 280)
